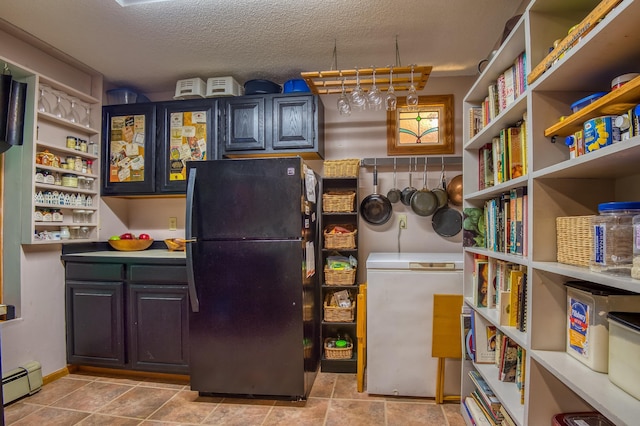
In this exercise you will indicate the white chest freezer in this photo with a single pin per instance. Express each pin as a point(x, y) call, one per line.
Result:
point(400, 289)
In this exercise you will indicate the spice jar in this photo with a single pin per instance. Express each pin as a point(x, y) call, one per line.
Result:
point(90, 167)
point(71, 142)
point(64, 233)
point(613, 237)
point(84, 232)
point(74, 232)
point(77, 165)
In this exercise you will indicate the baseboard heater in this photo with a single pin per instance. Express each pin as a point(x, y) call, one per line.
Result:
point(24, 380)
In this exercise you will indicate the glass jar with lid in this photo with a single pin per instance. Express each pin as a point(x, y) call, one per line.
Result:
point(64, 233)
point(78, 216)
point(84, 232)
point(613, 237)
point(74, 232)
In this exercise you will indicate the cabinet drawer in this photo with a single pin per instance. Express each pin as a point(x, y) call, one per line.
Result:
point(94, 271)
point(158, 274)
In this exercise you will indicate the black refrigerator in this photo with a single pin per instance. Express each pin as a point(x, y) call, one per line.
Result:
point(252, 271)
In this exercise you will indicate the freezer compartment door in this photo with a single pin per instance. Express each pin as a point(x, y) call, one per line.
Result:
point(248, 336)
point(250, 199)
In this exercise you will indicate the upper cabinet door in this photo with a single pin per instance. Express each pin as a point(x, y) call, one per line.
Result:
point(293, 122)
point(186, 132)
point(245, 124)
point(128, 149)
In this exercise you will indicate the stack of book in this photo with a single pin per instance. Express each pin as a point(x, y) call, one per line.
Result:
point(505, 158)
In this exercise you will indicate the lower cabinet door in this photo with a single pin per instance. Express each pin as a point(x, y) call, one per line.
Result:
point(158, 328)
point(95, 323)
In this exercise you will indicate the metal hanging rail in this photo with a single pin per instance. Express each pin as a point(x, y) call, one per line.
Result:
point(417, 160)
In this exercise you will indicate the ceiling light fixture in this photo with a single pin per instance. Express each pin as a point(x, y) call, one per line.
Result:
point(125, 3)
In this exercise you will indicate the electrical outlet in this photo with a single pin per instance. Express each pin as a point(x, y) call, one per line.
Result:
point(402, 221)
point(173, 223)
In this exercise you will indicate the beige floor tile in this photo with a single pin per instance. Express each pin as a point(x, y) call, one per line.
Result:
point(414, 414)
point(186, 406)
point(52, 417)
point(140, 402)
point(55, 390)
point(347, 388)
point(323, 385)
point(237, 415)
point(313, 413)
point(92, 396)
point(355, 413)
point(105, 420)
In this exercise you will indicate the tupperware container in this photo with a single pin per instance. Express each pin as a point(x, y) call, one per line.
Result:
point(587, 329)
point(295, 85)
point(255, 87)
point(624, 351)
point(581, 103)
point(581, 419)
point(121, 96)
point(620, 80)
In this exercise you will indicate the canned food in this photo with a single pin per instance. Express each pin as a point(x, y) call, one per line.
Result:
point(71, 142)
point(70, 180)
point(600, 132)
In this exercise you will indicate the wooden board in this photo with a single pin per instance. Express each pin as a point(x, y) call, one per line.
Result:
point(446, 326)
point(580, 30)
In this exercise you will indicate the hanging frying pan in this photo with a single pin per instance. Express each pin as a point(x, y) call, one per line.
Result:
point(409, 190)
point(447, 222)
point(454, 190)
point(441, 193)
point(394, 194)
point(424, 202)
point(376, 208)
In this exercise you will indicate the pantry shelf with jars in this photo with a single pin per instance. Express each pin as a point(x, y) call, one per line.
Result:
point(58, 164)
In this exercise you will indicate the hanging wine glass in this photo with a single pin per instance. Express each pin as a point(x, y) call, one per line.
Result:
point(74, 115)
point(412, 96)
point(374, 97)
point(58, 110)
point(86, 118)
point(391, 99)
point(43, 103)
point(344, 107)
point(358, 98)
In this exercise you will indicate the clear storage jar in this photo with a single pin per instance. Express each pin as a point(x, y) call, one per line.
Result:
point(613, 238)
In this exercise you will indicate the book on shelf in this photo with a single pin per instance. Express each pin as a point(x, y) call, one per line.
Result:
point(483, 339)
point(521, 323)
point(520, 371)
point(517, 220)
point(481, 283)
point(506, 418)
point(475, 412)
point(490, 399)
point(485, 167)
point(515, 150)
point(492, 283)
point(515, 284)
point(488, 414)
point(498, 148)
point(499, 336)
point(508, 360)
point(509, 86)
point(475, 121)
point(466, 335)
point(494, 101)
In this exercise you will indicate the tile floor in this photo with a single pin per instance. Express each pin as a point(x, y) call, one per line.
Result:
point(96, 399)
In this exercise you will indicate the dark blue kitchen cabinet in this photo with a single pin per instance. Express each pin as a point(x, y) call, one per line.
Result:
point(187, 131)
point(273, 125)
point(127, 315)
point(95, 314)
point(128, 149)
point(244, 128)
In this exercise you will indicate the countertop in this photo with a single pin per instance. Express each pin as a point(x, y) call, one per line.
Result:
point(152, 255)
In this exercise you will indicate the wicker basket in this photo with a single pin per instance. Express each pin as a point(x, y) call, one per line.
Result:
point(345, 240)
point(574, 236)
point(338, 353)
point(338, 314)
point(341, 168)
point(338, 201)
point(339, 276)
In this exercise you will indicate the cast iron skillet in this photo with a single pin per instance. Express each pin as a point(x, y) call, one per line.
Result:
point(394, 194)
point(424, 202)
point(407, 193)
point(376, 208)
point(447, 222)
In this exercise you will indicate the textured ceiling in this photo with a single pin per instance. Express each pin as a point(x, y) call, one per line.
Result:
point(151, 46)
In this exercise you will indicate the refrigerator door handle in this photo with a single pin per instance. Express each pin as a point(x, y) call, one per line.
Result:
point(193, 294)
